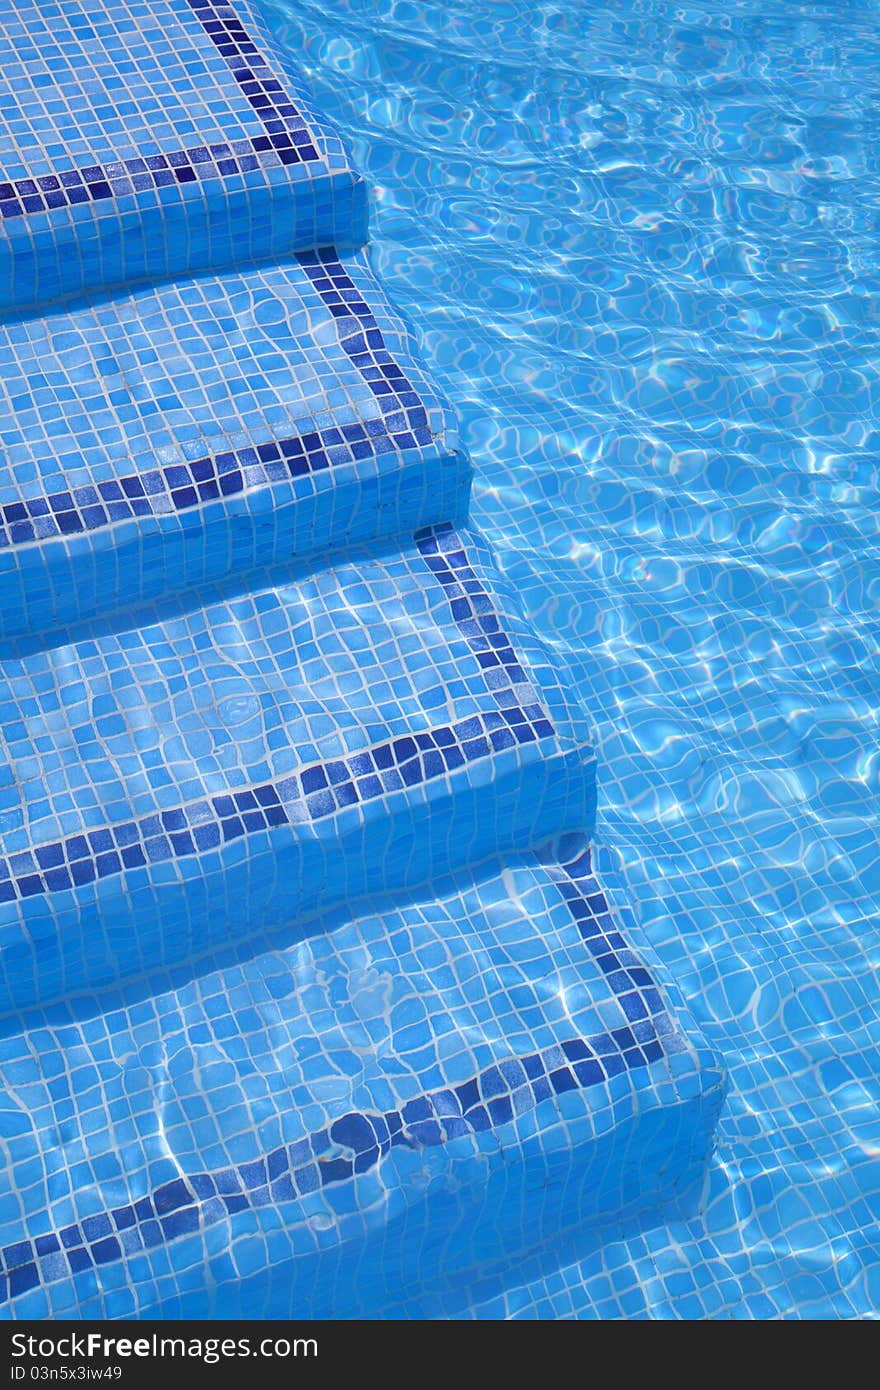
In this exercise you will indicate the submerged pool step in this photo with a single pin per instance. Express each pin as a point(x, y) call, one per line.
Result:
point(365, 730)
point(226, 1094)
point(168, 437)
point(357, 1121)
point(151, 141)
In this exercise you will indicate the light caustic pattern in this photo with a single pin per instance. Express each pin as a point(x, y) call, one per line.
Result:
point(639, 242)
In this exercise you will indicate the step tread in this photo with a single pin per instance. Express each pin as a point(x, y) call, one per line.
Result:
point(188, 107)
point(156, 379)
point(257, 688)
point(387, 697)
point(184, 404)
point(504, 1017)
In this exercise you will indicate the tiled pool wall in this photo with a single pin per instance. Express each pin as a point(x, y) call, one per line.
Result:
point(274, 725)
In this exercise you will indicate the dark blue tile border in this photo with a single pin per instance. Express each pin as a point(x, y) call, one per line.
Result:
point(182, 486)
point(361, 339)
point(319, 790)
point(251, 71)
point(472, 609)
point(287, 139)
point(355, 1143)
point(630, 981)
point(403, 425)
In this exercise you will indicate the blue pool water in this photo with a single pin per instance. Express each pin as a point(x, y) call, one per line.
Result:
point(316, 995)
point(639, 244)
point(438, 681)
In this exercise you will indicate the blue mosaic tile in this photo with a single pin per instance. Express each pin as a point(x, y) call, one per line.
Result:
point(630, 237)
point(281, 969)
point(191, 146)
point(182, 432)
point(320, 790)
point(357, 1089)
point(364, 698)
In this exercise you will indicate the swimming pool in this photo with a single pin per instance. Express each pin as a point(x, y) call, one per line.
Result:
point(639, 246)
point(389, 899)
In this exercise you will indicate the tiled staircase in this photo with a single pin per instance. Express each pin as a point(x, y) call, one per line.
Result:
point(310, 997)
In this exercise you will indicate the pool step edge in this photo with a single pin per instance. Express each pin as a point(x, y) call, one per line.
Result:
point(557, 1143)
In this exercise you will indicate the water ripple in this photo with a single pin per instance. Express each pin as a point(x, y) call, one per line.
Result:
point(639, 243)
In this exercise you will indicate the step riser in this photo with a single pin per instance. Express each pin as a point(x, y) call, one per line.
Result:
point(186, 236)
point(409, 1237)
point(63, 582)
point(552, 1200)
point(80, 939)
point(229, 166)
